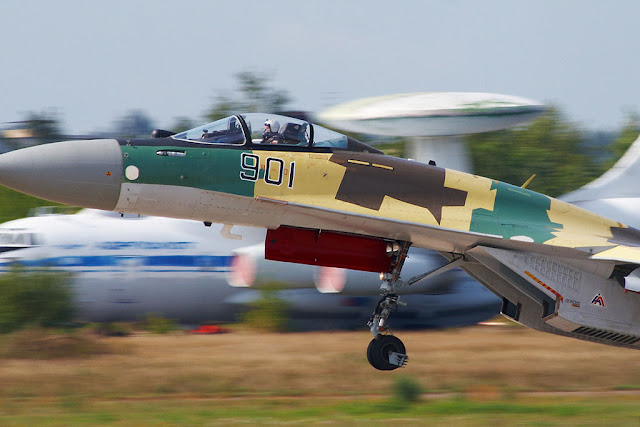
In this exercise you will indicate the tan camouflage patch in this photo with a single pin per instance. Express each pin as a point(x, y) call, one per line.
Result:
point(581, 228)
point(479, 196)
point(316, 180)
point(620, 253)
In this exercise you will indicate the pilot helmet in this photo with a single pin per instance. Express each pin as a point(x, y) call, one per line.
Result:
point(273, 124)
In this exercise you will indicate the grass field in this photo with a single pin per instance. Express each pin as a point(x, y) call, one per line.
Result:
point(537, 412)
point(471, 376)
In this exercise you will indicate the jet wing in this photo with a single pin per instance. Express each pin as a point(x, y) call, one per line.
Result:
point(441, 239)
point(619, 253)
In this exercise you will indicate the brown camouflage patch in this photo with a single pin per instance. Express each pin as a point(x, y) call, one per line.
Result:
point(368, 180)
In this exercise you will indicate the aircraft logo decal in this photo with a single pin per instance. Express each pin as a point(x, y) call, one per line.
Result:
point(598, 300)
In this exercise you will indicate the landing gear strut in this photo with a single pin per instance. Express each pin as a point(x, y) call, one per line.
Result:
point(386, 352)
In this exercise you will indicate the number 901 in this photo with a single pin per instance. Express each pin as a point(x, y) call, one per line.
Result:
point(274, 170)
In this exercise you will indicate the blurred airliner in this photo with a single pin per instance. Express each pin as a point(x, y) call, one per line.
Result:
point(126, 267)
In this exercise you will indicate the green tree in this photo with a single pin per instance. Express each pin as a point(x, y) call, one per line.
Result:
point(181, 124)
point(550, 147)
point(254, 94)
point(135, 123)
point(628, 134)
point(14, 205)
point(269, 312)
point(34, 298)
point(45, 126)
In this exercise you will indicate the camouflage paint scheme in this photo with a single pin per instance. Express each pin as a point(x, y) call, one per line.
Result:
point(551, 262)
point(384, 187)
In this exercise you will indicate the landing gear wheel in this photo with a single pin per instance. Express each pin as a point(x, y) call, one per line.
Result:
point(379, 350)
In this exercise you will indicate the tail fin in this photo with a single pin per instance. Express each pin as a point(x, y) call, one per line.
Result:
point(621, 181)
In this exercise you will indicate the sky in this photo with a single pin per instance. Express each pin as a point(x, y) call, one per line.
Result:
point(92, 62)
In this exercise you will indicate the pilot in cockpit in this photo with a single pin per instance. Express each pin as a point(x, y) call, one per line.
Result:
point(270, 134)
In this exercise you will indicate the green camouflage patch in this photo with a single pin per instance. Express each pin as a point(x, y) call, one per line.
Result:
point(517, 212)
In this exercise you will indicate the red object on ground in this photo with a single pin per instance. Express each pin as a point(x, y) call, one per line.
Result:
point(209, 329)
point(327, 248)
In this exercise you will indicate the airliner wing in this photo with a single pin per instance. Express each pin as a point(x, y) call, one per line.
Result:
point(619, 182)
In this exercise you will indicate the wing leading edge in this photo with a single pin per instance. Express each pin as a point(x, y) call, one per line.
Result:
point(448, 240)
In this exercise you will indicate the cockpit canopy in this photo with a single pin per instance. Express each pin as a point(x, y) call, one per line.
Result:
point(257, 129)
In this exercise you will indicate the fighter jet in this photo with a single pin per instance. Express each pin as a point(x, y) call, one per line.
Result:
point(329, 200)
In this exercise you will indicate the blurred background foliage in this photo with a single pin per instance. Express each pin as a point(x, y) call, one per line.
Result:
point(254, 94)
point(15, 205)
point(34, 298)
point(560, 153)
point(269, 312)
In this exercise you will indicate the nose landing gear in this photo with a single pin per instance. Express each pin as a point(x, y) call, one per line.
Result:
point(386, 352)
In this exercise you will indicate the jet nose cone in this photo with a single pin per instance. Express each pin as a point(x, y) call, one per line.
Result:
point(80, 173)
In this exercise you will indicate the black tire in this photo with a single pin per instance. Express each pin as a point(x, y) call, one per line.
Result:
point(378, 351)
